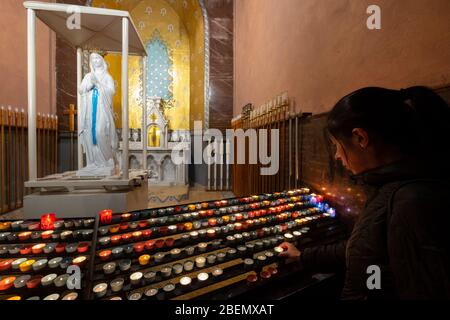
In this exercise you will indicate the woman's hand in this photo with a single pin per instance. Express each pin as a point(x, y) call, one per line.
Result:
point(290, 251)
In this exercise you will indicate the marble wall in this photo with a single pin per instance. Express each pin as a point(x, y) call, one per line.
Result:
point(221, 16)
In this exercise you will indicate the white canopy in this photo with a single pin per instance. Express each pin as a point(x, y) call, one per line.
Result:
point(100, 29)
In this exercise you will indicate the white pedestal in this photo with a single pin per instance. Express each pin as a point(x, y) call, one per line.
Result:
point(76, 198)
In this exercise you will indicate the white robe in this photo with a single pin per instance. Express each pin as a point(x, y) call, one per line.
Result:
point(101, 157)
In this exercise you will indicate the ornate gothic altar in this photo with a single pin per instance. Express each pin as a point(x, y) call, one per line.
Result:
point(159, 142)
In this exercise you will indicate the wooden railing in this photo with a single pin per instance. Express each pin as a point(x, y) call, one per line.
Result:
point(14, 154)
point(275, 115)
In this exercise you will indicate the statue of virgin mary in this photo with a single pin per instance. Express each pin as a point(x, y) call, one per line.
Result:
point(97, 131)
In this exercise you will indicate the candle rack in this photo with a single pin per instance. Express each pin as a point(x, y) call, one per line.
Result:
point(276, 215)
point(216, 249)
point(43, 252)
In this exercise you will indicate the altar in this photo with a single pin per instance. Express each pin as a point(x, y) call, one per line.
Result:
point(151, 149)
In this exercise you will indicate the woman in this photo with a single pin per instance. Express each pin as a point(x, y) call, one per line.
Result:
point(397, 143)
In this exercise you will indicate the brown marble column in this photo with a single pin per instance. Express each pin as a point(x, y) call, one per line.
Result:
point(220, 14)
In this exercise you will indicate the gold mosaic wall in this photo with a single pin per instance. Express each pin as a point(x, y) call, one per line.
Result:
point(180, 25)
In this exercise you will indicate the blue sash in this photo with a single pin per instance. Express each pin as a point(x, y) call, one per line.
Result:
point(94, 115)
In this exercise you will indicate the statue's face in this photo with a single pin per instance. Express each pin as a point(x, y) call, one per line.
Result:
point(97, 62)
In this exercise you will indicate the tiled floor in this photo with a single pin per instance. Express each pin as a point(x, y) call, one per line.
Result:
point(163, 197)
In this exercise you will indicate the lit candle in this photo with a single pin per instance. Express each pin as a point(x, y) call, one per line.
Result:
point(115, 239)
point(106, 216)
point(126, 216)
point(144, 259)
point(26, 266)
point(138, 247)
point(7, 283)
point(105, 255)
point(200, 262)
point(47, 234)
point(100, 289)
point(137, 235)
point(36, 249)
point(147, 233)
point(185, 281)
point(23, 236)
point(202, 276)
point(79, 261)
point(136, 278)
point(25, 250)
point(47, 221)
point(127, 237)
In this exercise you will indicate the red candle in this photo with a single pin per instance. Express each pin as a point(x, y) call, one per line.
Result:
point(5, 264)
point(83, 247)
point(147, 233)
point(126, 216)
point(124, 226)
point(137, 235)
point(105, 255)
point(163, 230)
point(23, 236)
point(202, 213)
point(284, 227)
point(46, 234)
point(265, 275)
point(169, 242)
point(34, 282)
point(245, 225)
point(115, 239)
point(224, 202)
point(237, 226)
point(251, 214)
point(212, 222)
point(143, 224)
point(25, 250)
point(260, 233)
point(149, 244)
point(126, 237)
point(217, 203)
point(60, 247)
point(7, 283)
point(138, 247)
point(294, 214)
point(210, 213)
point(159, 243)
point(106, 216)
point(48, 221)
point(178, 209)
point(238, 216)
point(37, 249)
point(272, 270)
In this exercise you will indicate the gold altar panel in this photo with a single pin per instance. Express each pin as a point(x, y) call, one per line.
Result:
point(181, 26)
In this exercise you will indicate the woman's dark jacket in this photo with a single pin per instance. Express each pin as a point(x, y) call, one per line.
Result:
point(404, 229)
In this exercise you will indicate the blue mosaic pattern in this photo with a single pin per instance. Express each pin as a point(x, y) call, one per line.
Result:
point(159, 81)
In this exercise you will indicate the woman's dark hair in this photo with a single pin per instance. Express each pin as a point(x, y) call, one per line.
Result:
point(415, 120)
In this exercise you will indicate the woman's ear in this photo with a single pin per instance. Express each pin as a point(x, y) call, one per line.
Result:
point(360, 137)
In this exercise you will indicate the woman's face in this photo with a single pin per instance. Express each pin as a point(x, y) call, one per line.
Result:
point(352, 153)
